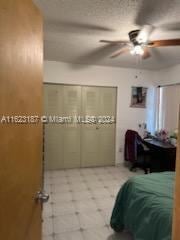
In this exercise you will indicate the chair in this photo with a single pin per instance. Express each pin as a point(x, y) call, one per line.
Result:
point(136, 151)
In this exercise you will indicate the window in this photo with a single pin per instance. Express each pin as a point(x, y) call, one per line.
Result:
point(169, 100)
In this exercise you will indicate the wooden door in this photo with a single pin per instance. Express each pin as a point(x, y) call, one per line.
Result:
point(176, 219)
point(21, 62)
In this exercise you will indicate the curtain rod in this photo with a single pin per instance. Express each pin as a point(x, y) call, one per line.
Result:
point(168, 85)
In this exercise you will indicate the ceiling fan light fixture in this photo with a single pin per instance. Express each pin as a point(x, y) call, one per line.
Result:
point(137, 50)
point(144, 34)
point(143, 38)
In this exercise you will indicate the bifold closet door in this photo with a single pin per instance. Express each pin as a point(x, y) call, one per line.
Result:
point(62, 141)
point(98, 140)
point(78, 144)
point(90, 137)
point(107, 131)
point(53, 139)
point(72, 107)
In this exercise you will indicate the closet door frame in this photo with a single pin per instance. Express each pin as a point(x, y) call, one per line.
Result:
point(99, 86)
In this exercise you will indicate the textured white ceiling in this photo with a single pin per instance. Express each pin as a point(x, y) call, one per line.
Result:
point(73, 29)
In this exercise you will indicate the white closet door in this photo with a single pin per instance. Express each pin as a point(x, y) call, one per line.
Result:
point(62, 141)
point(72, 107)
point(107, 131)
point(53, 99)
point(53, 141)
point(54, 147)
point(98, 140)
point(89, 132)
point(90, 101)
point(78, 144)
point(107, 101)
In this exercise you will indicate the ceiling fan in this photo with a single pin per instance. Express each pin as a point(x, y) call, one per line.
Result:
point(139, 43)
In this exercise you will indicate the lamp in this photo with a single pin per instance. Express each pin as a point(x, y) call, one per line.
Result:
point(137, 50)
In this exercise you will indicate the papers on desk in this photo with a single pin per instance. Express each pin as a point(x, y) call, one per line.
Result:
point(148, 139)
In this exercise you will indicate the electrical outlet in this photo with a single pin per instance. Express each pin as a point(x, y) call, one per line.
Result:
point(120, 149)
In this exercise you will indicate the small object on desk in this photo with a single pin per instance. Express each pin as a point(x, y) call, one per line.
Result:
point(148, 139)
point(147, 134)
point(162, 135)
point(173, 141)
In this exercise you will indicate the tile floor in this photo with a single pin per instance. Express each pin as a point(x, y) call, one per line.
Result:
point(81, 202)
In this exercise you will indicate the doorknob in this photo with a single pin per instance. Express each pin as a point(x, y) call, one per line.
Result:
point(42, 197)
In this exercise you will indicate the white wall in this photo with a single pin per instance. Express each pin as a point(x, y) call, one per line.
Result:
point(124, 79)
point(169, 75)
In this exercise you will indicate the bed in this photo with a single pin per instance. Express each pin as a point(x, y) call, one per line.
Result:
point(144, 206)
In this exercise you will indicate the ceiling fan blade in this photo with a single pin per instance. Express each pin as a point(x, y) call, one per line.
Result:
point(146, 54)
point(114, 42)
point(74, 27)
point(119, 52)
point(173, 26)
point(164, 43)
point(98, 54)
point(151, 11)
point(145, 33)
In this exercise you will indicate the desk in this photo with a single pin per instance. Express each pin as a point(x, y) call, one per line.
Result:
point(162, 155)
